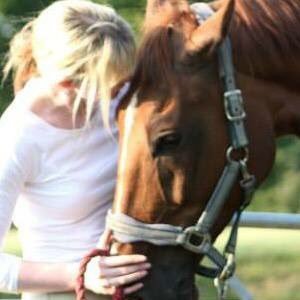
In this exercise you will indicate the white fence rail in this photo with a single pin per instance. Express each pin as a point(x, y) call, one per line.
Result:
point(270, 220)
point(263, 220)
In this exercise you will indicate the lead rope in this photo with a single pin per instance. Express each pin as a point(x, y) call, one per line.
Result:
point(80, 288)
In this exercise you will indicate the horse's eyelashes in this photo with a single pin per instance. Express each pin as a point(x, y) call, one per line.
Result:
point(166, 143)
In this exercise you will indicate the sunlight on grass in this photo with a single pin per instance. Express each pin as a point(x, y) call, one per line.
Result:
point(12, 244)
point(269, 262)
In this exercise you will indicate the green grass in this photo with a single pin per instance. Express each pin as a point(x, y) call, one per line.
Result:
point(268, 263)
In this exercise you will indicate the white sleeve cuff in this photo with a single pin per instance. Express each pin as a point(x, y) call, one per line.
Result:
point(9, 272)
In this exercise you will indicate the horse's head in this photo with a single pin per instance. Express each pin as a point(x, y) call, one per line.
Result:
point(173, 137)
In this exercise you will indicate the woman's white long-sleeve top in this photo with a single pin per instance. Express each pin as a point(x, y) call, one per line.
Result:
point(56, 185)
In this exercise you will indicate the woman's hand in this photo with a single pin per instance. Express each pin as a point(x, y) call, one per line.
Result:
point(104, 274)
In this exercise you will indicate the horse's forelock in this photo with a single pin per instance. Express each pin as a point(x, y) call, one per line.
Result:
point(155, 60)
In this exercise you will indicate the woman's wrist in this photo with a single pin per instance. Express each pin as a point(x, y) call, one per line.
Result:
point(72, 270)
point(48, 277)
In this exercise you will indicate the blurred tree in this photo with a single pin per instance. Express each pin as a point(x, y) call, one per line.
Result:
point(6, 31)
point(281, 191)
point(22, 7)
point(13, 15)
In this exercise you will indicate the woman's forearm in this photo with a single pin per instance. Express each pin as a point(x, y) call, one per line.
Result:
point(47, 277)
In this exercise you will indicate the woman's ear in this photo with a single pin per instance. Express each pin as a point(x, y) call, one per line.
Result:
point(212, 32)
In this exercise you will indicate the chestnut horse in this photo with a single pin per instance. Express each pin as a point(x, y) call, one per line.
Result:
point(173, 129)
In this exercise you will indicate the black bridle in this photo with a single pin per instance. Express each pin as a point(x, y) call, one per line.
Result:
point(235, 170)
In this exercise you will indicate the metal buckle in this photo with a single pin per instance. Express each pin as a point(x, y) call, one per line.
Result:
point(230, 151)
point(193, 240)
point(234, 109)
point(229, 268)
point(221, 282)
point(248, 185)
point(222, 288)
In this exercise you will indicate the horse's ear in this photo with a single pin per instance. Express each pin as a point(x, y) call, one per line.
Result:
point(158, 12)
point(211, 33)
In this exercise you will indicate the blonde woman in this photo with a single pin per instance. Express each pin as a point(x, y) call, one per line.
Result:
point(57, 158)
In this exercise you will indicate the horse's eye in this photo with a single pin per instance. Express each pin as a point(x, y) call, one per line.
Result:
point(165, 143)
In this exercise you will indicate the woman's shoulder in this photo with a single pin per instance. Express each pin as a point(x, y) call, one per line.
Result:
point(14, 121)
point(19, 142)
point(26, 112)
point(35, 94)
point(16, 134)
point(18, 123)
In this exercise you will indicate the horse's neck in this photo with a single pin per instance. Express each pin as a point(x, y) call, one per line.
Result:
point(275, 87)
point(266, 40)
point(284, 71)
point(279, 104)
point(269, 59)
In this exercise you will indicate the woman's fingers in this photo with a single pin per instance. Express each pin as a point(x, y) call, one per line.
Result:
point(114, 272)
point(122, 260)
point(104, 274)
point(111, 290)
point(132, 289)
point(100, 289)
point(122, 280)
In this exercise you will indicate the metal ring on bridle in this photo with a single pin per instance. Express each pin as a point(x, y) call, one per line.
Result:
point(230, 151)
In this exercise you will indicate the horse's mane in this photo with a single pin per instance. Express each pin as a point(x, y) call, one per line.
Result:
point(265, 36)
point(267, 32)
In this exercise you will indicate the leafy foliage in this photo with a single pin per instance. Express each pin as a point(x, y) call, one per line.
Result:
point(281, 191)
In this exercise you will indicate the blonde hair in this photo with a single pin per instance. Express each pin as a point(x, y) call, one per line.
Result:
point(77, 40)
point(19, 58)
